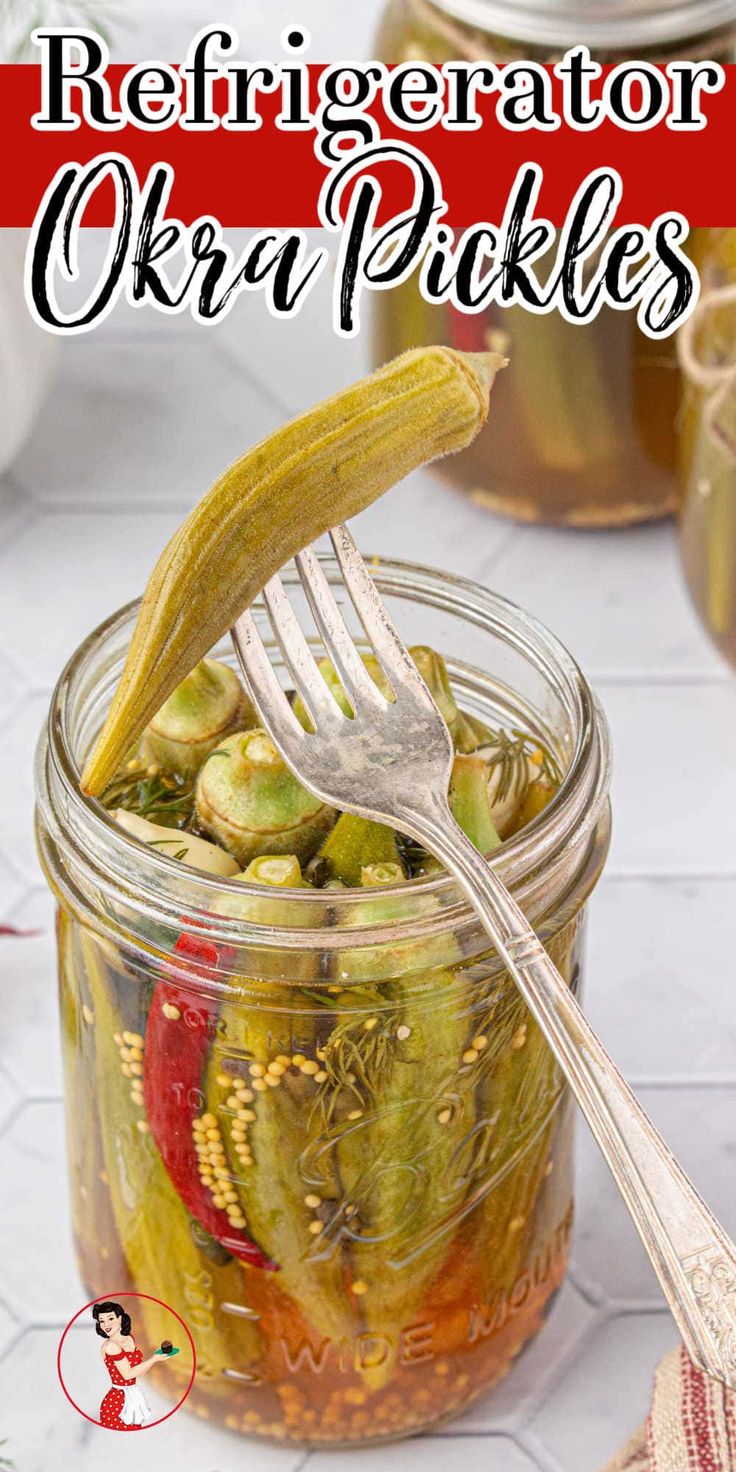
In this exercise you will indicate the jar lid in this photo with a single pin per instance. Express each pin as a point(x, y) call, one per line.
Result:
point(619, 25)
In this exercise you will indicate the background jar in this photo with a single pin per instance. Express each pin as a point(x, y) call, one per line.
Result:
point(413, 1183)
point(582, 429)
point(707, 463)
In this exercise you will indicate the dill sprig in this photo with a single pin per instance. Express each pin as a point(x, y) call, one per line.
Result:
point(358, 1062)
point(18, 18)
point(510, 750)
point(159, 797)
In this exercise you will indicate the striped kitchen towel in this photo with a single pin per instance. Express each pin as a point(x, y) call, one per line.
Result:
point(691, 1426)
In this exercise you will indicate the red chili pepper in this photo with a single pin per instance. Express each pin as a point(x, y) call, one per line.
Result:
point(175, 1059)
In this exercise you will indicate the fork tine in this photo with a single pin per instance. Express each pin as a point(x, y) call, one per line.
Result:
point(321, 706)
point(337, 638)
point(268, 697)
point(376, 620)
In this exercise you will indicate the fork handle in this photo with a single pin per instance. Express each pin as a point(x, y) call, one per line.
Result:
point(691, 1254)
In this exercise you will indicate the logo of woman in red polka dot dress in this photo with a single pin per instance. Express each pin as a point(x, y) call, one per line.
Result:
point(125, 1407)
point(124, 1362)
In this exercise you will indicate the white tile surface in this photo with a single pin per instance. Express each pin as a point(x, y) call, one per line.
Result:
point(698, 1122)
point(39, 1279)
point(598, 1405)
point(674, 781)
point(640, 620)
point(465, 1454)
point(28, 968)
point(141, 416)
point(56, 554)
point(164, 417)
point(661, 975)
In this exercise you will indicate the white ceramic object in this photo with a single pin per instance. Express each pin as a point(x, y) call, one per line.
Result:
point(27, 353)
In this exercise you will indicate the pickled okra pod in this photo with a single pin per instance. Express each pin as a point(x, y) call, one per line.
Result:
point(162, 1241)
point(251, 803)
point(196, 717)
point(332, 680)
point(353, 843)
point(397, 1128)
point(320, 469)
point(430, 665)
point(260, 1083)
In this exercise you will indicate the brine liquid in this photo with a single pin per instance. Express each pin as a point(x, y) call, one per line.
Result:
point(456, 1273)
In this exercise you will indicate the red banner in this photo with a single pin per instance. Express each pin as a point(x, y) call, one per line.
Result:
point(273, 178)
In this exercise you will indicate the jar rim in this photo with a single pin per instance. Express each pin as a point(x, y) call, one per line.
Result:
point(118, 865)
point(605, 24)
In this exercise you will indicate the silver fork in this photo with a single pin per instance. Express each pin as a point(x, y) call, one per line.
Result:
point(392, 763)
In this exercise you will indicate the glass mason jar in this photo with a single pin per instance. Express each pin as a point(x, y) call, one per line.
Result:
point(406, 1170)
point(582, 428)
point(707, 443)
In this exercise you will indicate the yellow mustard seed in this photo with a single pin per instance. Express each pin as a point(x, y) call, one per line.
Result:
point(298, 1059)
point(257, 1070)
point(359, 1288)
point(142, 1125)
point(403, 1033)
point(312, 1201)
point(480, 1041)
point(88, 1014)
point(276, 1068)
point(125, 1068)
point(370, 1023)
point(272, 1081)
point(355, 1114)
point(470, 1055)
point(354, 1396)
point(321, 1077)
point(224, 1080)
point(516, 1223)
point(231, 1102)
point(260, 1086)
point(309, 1066)
point(519, 1038)
point(315, 1227)
point(284, 1059)
point(444, 1116)
point(171, 1012)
